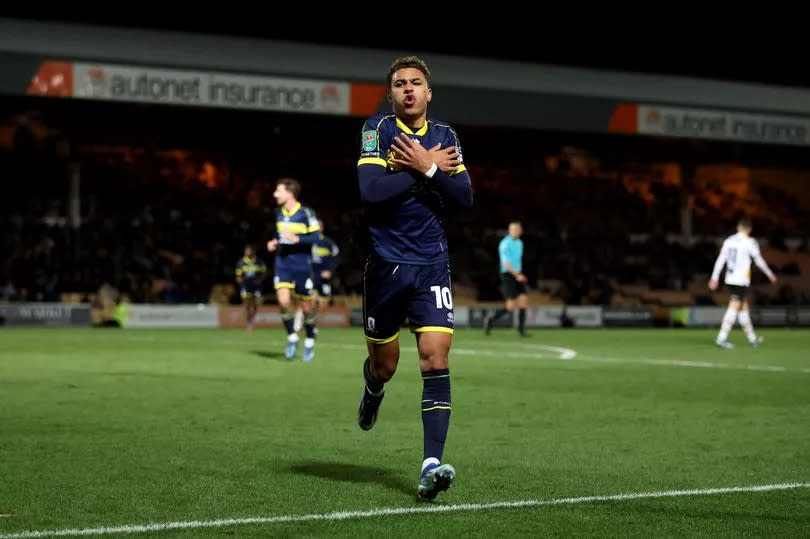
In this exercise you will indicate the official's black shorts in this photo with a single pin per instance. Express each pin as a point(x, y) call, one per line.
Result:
point(510, 287)
point(738, 291)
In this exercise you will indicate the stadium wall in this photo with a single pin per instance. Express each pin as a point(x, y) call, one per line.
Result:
point(233, 316)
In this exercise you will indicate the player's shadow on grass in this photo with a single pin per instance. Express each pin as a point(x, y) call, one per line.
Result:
point(355, 473)
point(269, 354)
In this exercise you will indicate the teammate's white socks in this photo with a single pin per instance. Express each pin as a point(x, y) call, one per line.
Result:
point(748, 327)
point(309, 343)
point(299, 320)
point(728, 323)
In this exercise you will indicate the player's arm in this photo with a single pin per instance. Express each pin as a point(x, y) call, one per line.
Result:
point(452, 178)
point(435, 164)
point(760, 262)
point(502, 251)
point(331, 261)
point(374, 183)
point(334, 258)
point(239, 271)
point(718, 265)
point(519, 277)
point(377, 186)
point(457, 187)
point(509, 268)
point(307, 239)
point(311, 235)
point(272, 244)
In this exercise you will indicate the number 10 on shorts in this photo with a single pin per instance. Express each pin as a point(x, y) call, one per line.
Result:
point(443, 296)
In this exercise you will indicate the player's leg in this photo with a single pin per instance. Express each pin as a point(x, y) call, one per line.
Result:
point(250, 312)
point(317, 302)
point(378, 368)
point(745, 321)
point(306, 295)
point(312, 317)
point(323, 295)
point(510, 293)
point(508, 310)
point(245, 295)
point(434, 348)
point(298, 321)
point(298, 325)
point(284, 290)
point(325, 291)
point(522, 304)
point(287, 305)
point(432, 318)
point(383, 313)
point(258, 300)
point(728, 322)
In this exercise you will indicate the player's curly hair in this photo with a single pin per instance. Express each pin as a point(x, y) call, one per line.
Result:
point(404, 62)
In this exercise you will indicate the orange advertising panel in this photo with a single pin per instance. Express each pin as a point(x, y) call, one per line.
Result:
point(52, 79)
point(624, 119)
point(366, 98)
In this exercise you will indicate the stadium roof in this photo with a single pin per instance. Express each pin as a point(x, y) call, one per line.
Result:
point(654, 51)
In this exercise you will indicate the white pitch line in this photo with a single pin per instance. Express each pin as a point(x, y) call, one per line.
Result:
point(559, 353)
point(694, 364)
point(387, 511)
point(567, 354)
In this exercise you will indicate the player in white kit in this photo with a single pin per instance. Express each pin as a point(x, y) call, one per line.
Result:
point(736, 254)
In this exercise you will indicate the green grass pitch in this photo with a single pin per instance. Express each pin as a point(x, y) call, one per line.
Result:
point(107, 427)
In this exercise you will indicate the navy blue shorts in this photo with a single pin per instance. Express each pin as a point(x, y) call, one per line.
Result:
point(323, 286)
point(299, 280)
point(393, 292)
point(251, 289)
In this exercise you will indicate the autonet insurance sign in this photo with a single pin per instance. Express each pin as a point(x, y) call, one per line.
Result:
point(157, 85)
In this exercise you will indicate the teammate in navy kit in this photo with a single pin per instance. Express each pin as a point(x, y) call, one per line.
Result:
point(296, 230)
point(250, 274)
point(411, 176)
point(325, 260)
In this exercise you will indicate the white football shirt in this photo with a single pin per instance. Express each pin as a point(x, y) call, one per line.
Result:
point(737, 253)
